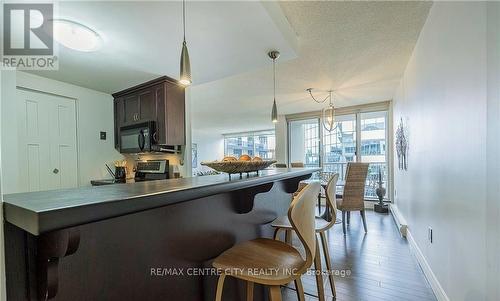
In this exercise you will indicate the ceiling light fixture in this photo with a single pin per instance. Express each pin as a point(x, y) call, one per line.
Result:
point(328, 113)
point(185, 73)
point(274, 55)
point(75, 35)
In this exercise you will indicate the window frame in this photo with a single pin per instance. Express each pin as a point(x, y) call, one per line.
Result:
point(385, 106)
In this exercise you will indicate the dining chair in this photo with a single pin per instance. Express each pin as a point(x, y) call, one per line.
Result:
point(353, 196)
point(321, 226)
point(264, 254)
point(324, 177)
point(296, 164)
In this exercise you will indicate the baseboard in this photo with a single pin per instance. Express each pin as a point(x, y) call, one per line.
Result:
point(429, 274)
point(399, 219)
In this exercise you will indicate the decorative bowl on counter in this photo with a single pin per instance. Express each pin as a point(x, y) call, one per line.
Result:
point(239, 167)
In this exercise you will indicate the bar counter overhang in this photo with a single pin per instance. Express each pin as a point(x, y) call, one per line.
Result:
point(141, 241)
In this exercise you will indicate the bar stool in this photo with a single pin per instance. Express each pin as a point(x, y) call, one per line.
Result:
point(321, 226)
point(263, 254)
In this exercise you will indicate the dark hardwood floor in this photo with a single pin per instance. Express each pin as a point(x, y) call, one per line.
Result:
point(378, 265)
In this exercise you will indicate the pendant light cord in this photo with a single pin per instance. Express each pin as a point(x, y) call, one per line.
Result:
point(329, 97)
point(274, 78)
point(184, 18)
point(314, 98)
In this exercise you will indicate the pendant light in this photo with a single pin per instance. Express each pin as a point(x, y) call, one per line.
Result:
point(185, 73)
point(274, 113)
point(328, 113)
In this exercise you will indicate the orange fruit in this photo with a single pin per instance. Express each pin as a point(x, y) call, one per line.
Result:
point(245, 158)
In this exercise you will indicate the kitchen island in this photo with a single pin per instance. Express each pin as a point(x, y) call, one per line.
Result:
point(142, 241)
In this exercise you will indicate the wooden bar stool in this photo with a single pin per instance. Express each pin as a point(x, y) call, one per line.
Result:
point(321, 226)
point(263, 254)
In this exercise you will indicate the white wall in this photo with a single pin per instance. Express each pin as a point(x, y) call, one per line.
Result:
point(493, 151)
point(94, 114)
point(297, 139)
point(281, 133)
point(210, 147)
point(443, 97)
point(4, 75)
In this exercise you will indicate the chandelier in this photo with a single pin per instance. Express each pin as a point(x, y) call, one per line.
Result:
point(328, 113)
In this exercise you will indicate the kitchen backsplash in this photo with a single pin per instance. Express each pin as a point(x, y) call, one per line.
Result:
point(173, 160)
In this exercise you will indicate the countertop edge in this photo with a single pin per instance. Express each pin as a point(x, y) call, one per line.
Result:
point(38, 223)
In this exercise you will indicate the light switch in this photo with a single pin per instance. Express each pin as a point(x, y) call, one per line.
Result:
point(103, 135)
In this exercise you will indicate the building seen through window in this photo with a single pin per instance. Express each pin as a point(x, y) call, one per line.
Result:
point(261, 144)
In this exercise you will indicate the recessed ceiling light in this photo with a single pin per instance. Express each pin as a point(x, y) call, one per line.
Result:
point(76, 36)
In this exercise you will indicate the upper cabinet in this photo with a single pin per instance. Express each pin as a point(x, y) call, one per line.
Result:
point(161, 100)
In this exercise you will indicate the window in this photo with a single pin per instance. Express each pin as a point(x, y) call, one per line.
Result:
point(340, 145)
point(260, 144)
point(373, 150)
point(311, 144)
point(365, 132)
point(304, 141)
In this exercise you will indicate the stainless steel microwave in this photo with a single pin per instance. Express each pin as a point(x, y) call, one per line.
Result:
point(138, 138)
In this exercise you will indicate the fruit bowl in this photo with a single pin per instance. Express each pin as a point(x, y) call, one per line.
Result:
point(235, 167)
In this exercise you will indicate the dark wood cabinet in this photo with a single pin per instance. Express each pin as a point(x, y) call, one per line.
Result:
point(161, 100)
point(147, 105)
point(131, 107)
point(171, 114)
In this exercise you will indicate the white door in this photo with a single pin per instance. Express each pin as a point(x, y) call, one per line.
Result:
point(47, 141)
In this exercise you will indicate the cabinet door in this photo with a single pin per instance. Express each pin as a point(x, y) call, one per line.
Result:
point(117, 121)
point(161, 124)
point(147, 105)
point(175, 110)
point(131, 108)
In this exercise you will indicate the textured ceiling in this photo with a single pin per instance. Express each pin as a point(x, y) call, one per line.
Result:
point(359, 49)
point(142, 41)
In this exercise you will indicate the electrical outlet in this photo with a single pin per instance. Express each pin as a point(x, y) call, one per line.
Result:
point(429, 235)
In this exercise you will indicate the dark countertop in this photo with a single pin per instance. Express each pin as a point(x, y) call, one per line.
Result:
point(44, 211)
point(111, 181)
